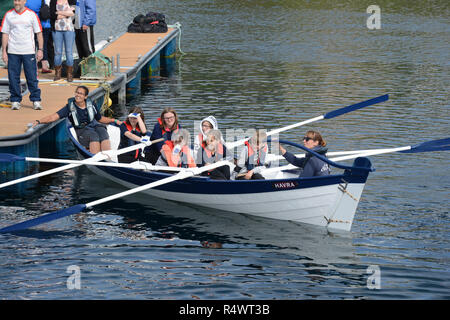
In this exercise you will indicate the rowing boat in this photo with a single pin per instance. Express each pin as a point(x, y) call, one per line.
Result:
point(328, 201)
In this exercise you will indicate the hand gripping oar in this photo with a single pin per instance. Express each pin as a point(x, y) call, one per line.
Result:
point(80, 207)
point(104, 155)
point(429, 146)
point(328, 115)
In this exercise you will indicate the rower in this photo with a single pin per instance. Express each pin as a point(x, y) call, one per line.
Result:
point(252, 158)
point(176, 152)
point(310, 165)
point(212, 152)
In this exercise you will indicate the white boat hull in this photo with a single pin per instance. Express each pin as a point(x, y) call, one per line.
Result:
point(325, 206)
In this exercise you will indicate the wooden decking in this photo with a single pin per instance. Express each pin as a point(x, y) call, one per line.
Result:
point(130, 46)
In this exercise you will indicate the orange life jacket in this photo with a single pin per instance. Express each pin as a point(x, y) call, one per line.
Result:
point(208, 157)
point(257, 158)
point(182, 159)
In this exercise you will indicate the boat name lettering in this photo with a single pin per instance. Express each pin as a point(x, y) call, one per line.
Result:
point(285, 185)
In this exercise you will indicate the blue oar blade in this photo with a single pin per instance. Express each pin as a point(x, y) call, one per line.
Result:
point(45, 218)
point(434, 145)
point(8, 157)
point(356, 106)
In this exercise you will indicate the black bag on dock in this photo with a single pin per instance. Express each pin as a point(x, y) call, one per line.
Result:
point(153, 22)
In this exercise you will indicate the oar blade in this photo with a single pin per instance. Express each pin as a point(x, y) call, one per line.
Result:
point(8, 157)
point(356, 106)
point(433, 145)
point(45, 218)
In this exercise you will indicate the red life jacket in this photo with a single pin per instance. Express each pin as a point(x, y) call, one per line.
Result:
point(163, 130)
point(130, 128)
point(201, 141)
point(258, 158)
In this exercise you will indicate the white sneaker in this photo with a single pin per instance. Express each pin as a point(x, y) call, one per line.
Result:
point(15, 106)
point(37, 105)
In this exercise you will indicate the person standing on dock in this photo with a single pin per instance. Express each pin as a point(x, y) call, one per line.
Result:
point(18, 48)
point(85, 19)
point(36, 6)
point(61, 16)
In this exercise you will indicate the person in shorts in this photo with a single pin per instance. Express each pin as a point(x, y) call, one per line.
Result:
point(85, 117)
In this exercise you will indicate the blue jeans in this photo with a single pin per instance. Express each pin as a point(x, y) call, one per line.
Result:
point(66, 38)
point(15, 62)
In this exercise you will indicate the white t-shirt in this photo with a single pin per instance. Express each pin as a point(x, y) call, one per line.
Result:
point(21, 28)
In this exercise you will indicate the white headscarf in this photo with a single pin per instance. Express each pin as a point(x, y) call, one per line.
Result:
point(213, 121)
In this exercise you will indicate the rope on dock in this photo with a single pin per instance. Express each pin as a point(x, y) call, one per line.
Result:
point(178, 26)
point(106, 106)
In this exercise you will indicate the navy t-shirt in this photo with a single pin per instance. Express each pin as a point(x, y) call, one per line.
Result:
point(82, 114)
point(125, 141)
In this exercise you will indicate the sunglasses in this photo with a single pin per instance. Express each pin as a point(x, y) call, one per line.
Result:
point(307, 138)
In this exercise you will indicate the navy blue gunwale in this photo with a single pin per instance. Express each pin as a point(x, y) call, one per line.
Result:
point(204, 185)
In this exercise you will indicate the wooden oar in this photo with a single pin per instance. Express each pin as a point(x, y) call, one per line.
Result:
point(429, 146)
point(328, 115)
point(138, 165)
point(104, 155)
point(80, 207)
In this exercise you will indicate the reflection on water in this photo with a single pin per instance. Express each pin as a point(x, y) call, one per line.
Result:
point(263, 64)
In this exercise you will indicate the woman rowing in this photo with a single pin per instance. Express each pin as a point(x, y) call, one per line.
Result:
point(311, 166)
point(212, 152)
point(176, 152)
point(132, 131)
point(206, 124)
point(252, 158)
point(166, 124)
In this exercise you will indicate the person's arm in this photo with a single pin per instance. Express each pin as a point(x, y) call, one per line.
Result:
point(132, 136)
point(90, 14)
point(106, 120)
point(142, 126)
point(40, 52)
point(291, 158)
point(67, 13)
point(157, 134)
point(47, 119)
point(102, 119)
point(5, 39)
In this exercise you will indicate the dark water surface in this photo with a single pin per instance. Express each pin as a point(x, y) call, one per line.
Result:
point(266, 64)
